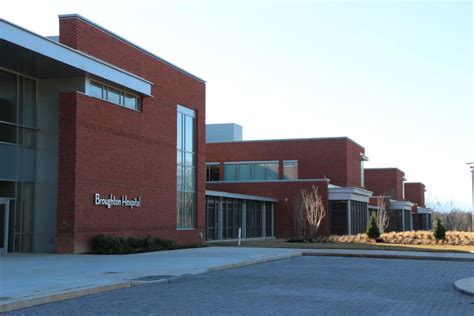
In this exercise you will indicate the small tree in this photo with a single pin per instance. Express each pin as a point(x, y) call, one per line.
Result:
point(372, 229)
point(314, 210)
point(439, 231)
point(382, 215)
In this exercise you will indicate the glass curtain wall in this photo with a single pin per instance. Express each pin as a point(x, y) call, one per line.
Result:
point(251, 171)
point(186, 168)
point(359, 218)
point(18, 98)
point(224, 217)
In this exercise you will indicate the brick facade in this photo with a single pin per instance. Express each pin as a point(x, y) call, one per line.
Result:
point(385, 181)
point(337, 159)
point(109, 149)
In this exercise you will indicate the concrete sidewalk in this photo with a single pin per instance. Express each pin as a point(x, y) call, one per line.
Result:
point(27, 280)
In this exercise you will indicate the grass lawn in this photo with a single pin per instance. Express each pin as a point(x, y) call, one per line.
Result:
point(281, 243)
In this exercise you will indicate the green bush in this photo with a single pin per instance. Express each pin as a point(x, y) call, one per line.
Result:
point(439, 231)
point(103, 244)
point(372, 228)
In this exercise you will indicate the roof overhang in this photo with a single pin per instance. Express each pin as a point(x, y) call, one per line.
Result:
point(401, 205)
point(348, 193)
point(424, 210)
point(240, 196)
point(31, 54)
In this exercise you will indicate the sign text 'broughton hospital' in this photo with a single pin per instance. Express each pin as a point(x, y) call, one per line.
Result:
point(112, 201)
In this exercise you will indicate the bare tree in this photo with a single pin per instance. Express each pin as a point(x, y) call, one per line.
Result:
point(383, 218)
point(453, 217)
point(314, 209)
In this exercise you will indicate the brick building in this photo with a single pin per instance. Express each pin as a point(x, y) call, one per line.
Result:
point(406, 201)
point(97, 135)
point(282, 168)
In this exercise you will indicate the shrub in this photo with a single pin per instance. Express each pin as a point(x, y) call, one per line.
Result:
point(103, 244)
point(439, 231)
point(372, 228)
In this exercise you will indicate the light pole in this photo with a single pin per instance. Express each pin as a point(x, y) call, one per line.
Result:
point(471, 164)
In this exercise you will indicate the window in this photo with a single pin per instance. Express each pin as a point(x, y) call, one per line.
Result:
point(213, 171)
point(113, 95)
point(290, 169)
point(251, 171)
point(186, 167)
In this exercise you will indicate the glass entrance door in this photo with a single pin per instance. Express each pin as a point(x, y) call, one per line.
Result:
point(4, 213)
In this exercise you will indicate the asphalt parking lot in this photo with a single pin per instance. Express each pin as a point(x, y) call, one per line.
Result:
point(301, 285)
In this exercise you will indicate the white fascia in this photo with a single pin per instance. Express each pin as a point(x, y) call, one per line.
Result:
point(349, 193)
point(401, 205)
point(240, 196)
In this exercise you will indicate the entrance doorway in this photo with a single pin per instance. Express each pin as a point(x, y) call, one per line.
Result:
point(338, 218)
point(4, 221)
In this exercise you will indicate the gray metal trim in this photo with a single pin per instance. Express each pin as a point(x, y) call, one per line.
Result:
point(74, 58)
point(240, 196)
point(271, 181)
point(78, 16)
point(284, 140)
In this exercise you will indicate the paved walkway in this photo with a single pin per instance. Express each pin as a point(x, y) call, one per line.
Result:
point(296, 286)
point(54, 277)
point(24, 276)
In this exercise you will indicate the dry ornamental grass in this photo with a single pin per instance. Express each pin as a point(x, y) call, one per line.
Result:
point(454, 238)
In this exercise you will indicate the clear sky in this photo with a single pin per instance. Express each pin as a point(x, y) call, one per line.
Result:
point(395, 76)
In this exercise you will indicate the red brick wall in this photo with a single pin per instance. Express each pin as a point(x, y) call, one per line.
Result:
point(286, 192)
point(106, 148)
point(335, 158)
point(415, 192)
point(387, 181)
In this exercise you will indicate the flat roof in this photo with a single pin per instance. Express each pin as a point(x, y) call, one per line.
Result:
point(120, 38)
point(58, 52)
point(240, 196)
point(288, 140)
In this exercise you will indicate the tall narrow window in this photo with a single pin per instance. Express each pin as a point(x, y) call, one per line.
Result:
point(186, 168)
point(290, 169)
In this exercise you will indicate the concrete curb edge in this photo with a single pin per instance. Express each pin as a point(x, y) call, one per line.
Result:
point(385, 256)
point(63, 295)
point(460, 286)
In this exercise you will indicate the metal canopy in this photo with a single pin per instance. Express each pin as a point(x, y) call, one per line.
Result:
point(31, 54)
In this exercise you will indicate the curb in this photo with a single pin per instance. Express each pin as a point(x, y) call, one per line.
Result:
point(465, 286)
point(75, 293)
point(252, 262)
point(386, 256)
point(63, 295)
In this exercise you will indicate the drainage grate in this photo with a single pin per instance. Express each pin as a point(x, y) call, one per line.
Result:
point(154, 277)
point(5, 298)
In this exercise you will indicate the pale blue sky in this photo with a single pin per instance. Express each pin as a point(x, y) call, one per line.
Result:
point(395, 76)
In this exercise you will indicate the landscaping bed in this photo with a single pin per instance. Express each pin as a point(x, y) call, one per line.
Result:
point(399, 241)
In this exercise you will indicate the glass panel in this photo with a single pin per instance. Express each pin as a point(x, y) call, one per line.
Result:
point(113, 95)
point(190, 159)
point(8, 97)
point(214, 172)
point(27, 110)
point(290, 170)
point(179, 179)
point(259, 171)
point(244, 172)
point(96, 90)
point(130, 101)
point(189, 133)
point(272, 171)
point(229, 172)
point(179, 131)
point(189, 179)
point(8, 133)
